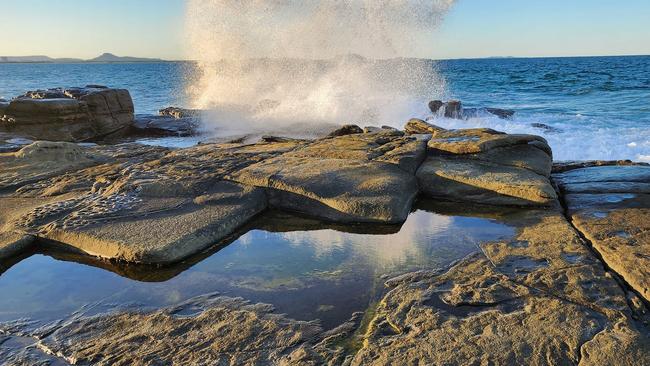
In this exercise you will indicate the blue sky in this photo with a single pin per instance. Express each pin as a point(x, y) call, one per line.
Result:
point(473, 28)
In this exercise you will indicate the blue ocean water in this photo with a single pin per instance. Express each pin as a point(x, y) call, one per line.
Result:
point(599, 107)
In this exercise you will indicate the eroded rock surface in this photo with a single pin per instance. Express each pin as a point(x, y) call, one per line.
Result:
point(489, 167)
point(539, 299)
point(352, 178)
point(610, 205)
point(68, 114)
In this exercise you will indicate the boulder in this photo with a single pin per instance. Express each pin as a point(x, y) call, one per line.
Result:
point(346, 130)
point(180, 113)
point(501, 113)
point(417, 126)
point(71, 114)
point(165, 125)
point(477, 140)
point(610, 205)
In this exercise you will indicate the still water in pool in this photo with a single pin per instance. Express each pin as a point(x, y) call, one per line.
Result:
point(305, 268)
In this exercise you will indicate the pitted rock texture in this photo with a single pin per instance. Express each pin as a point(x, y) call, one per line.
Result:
point(539, 299)
point(610, 205)
point(215, 331)
point(69, 114)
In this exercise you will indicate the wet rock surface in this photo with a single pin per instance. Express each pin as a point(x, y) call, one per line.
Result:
point(454, 109)
point(68, 114)
point(610, 205)
point(520, 302)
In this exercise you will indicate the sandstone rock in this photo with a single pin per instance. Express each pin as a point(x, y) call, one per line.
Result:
point(222, 330)
point(546, 127)
point(72, 114)
point(133, 202)
point(346, 130)
point(489, 167)
point(564, 166)
point(510, 305)
point(610, 205)
point(353, 178)
point(454, 109)
point(435, 105)
point(471, 180)
point(478, 140)
point(418, 126)
point(501, 113)
point(14, 243)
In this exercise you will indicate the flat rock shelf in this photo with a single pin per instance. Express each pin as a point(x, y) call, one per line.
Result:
point(365, 247)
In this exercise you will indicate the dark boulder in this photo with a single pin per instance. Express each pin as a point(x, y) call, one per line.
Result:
point(346, 130)
point(178, 113)
point(149, 125)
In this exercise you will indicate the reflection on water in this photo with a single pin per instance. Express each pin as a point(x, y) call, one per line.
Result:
point(305, 268)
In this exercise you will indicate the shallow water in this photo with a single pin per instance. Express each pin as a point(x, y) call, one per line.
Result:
point(305, 268)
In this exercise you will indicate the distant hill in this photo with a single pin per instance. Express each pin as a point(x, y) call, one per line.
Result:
point(36, 59)
point(106, 57)
point(109, 57)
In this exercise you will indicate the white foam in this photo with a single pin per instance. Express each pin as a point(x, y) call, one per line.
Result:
point(576, 138)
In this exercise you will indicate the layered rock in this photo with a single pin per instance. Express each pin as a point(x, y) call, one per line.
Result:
point(70, 114)
point(610, 205)
point(490, 167)
point(352, 178)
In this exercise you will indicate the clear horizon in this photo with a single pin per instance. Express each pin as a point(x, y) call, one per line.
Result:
point(472, 29)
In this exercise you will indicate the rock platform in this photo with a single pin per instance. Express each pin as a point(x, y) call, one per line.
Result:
point(570, 288)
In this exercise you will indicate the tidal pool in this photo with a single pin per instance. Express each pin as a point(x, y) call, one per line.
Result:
point(305, 268)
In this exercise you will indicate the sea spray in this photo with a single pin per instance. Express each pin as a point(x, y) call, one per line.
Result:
point(295, 65)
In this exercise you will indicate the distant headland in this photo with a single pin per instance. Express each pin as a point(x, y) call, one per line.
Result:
point(106, 57)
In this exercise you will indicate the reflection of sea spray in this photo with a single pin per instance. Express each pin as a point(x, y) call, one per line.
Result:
point(279, 62)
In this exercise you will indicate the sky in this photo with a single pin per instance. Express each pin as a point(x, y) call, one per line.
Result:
point(473, 28)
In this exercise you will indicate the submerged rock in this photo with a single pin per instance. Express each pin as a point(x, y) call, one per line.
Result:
point(69, 114)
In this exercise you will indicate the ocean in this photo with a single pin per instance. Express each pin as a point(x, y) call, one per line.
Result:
point(596, 107)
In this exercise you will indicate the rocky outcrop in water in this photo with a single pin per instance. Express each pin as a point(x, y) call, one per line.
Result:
point(454, 109)
point(68, 114)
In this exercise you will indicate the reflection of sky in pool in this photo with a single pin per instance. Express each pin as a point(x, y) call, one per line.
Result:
point(319, 274)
